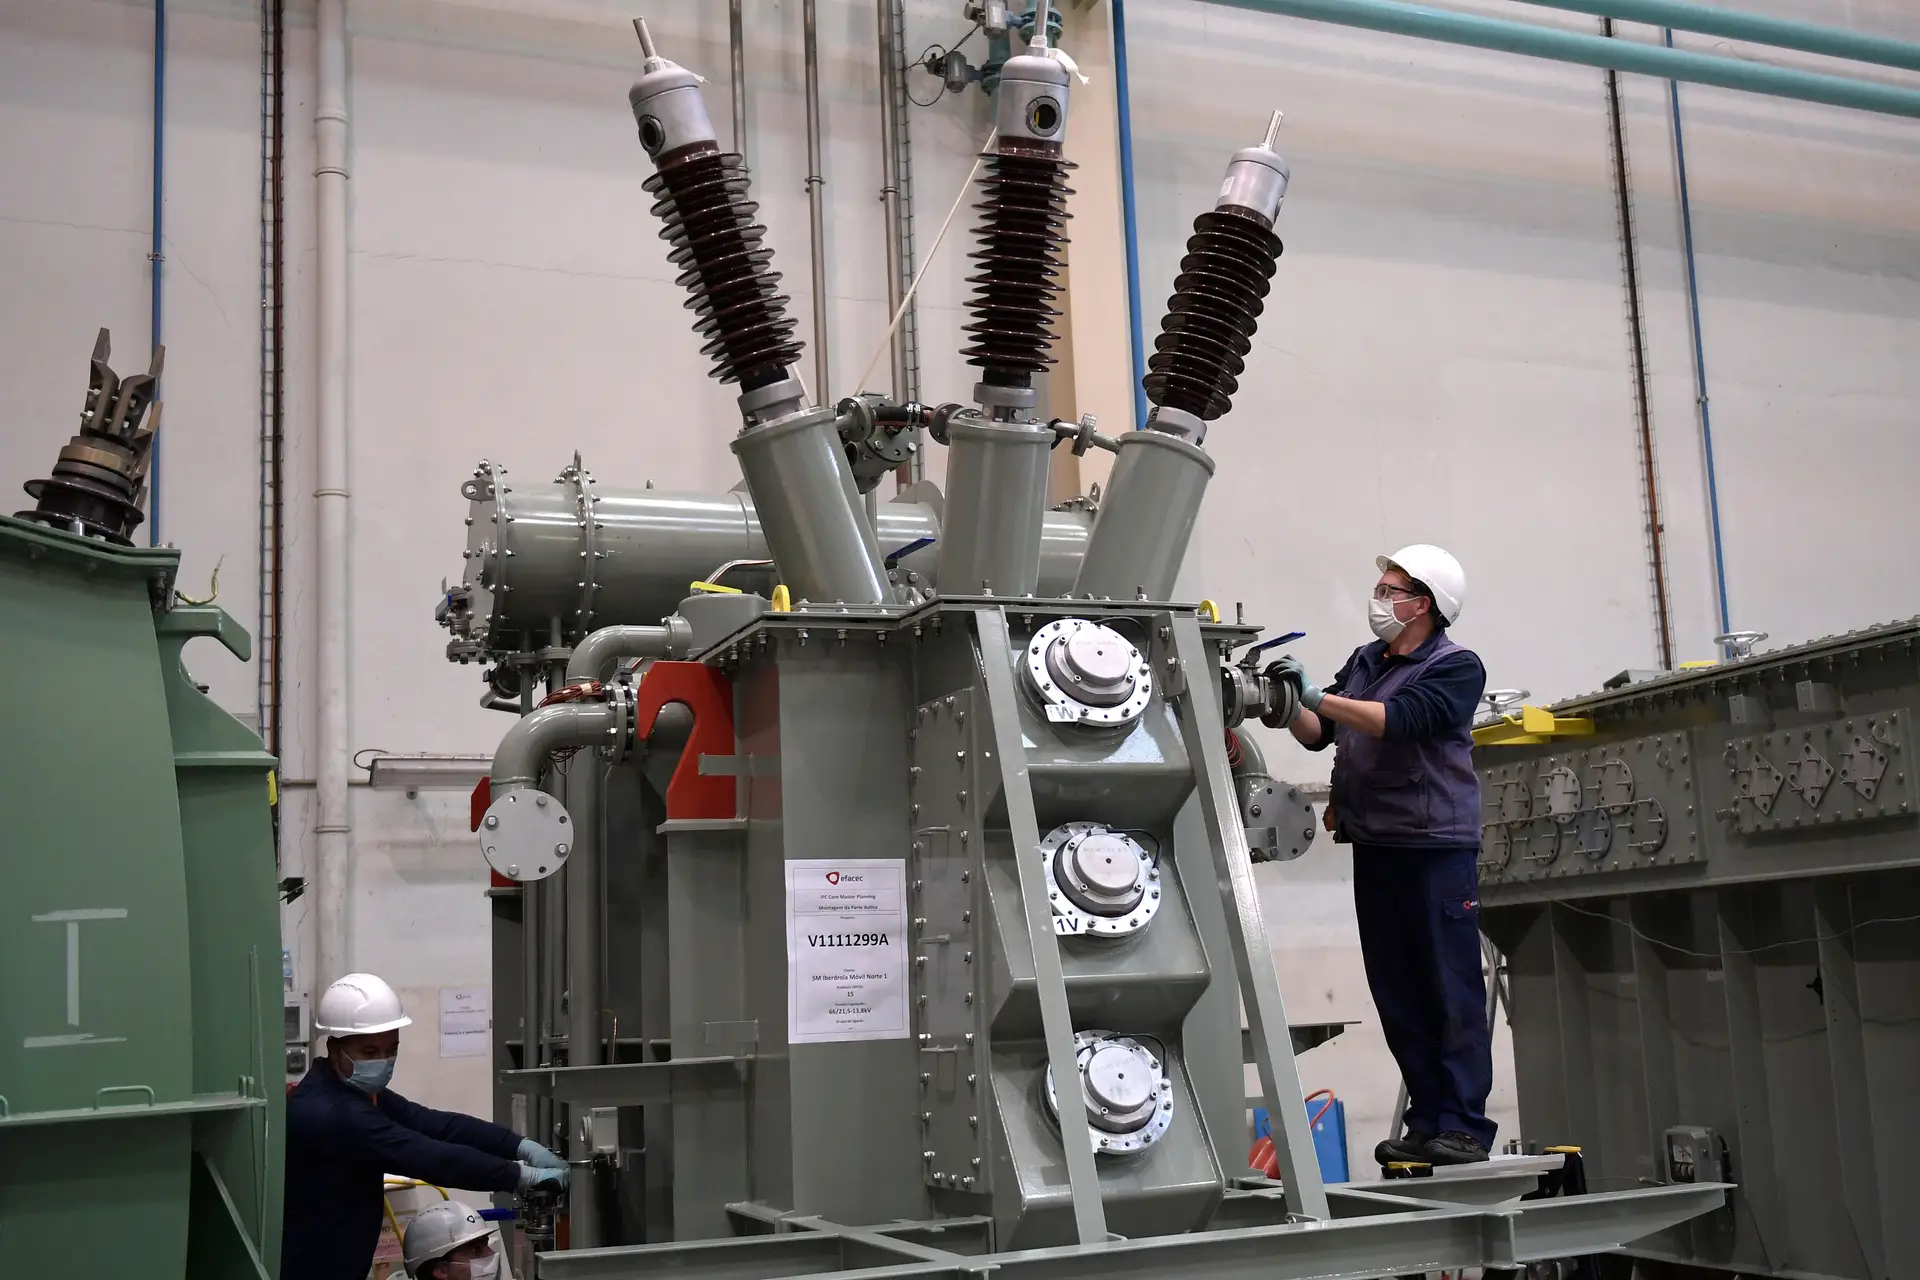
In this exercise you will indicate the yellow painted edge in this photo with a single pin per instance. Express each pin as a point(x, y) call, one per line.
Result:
point(714, 588)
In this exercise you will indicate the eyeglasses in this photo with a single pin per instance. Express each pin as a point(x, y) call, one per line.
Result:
point(1387, 591)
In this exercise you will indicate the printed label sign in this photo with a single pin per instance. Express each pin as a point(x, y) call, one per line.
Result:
point(846, 950)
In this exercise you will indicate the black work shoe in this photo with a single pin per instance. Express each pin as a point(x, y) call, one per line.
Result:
point(1455, 1147)
point(1408, 1148)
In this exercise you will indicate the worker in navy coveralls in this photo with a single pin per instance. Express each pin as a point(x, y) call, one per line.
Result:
point(346, 1130)
point(1405, 796)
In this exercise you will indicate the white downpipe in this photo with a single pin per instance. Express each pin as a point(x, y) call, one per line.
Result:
point(333, 830)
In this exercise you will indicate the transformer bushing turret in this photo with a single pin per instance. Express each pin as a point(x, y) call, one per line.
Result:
point(790, 451)
point(998, 458)
point(99, 484)
point(1191, 378)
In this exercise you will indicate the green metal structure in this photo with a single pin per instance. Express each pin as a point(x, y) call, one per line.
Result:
point(140, 1013)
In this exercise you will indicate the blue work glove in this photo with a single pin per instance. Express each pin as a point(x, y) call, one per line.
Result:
point(532, 1178)
point(538, 1156)
point(1290, 670)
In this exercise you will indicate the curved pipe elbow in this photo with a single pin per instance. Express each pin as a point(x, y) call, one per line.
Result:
point(523, 752)
point(595, 656)
point(1252, 761)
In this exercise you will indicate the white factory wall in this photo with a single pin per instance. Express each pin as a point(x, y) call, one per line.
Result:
point(1444, 356)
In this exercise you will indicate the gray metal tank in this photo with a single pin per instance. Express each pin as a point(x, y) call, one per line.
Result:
point(569, 555)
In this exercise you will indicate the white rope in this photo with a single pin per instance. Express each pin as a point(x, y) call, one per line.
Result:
point(914, 288)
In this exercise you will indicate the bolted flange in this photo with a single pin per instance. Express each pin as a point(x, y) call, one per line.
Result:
point(1100, 882)
point(1124, 1089)
point(1084, 673)
point(526, 835)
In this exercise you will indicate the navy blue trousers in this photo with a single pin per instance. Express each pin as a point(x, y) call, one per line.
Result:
point(1419, 912)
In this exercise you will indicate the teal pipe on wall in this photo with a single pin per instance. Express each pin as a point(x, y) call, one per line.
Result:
point(1752, 27)
point(1594, 51)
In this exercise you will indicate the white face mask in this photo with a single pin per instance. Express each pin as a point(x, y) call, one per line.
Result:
point(487, 1268)
point(1380, 617)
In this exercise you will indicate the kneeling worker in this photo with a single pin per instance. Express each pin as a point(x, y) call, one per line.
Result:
point(346, 1129)
point(1400, 715)
point(450, 1242)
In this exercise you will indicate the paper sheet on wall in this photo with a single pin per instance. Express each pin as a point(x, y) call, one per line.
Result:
point(846, 950)
point(466, 1021)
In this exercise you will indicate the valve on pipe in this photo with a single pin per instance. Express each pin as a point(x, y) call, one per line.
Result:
point(100, 480)
point(998, 460)
point(1161, 473)
point(790, 452)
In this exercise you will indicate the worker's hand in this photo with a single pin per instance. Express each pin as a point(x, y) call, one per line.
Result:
point(533, 1177)
point(1289, 669)
point(538, 1156)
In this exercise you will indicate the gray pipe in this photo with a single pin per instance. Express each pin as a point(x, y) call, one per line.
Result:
point(737, 45)
point(594, 658)
point(585, 889)
point(523, 751)
point(1147, 518)
point(1253, 761)
point(890, 126)
point(816, 211)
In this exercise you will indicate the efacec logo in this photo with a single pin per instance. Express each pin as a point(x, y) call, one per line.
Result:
point(837, 877)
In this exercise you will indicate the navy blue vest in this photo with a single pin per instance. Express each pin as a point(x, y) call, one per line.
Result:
point(1403, 793)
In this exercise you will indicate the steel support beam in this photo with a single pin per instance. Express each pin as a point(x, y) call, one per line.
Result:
point(1594, 51)
point(1425, 1238)
point(632, 1084)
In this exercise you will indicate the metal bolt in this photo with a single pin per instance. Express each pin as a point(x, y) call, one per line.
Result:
point(540, 801)
point(560, 850)
point(513, 872)
point(493, 820)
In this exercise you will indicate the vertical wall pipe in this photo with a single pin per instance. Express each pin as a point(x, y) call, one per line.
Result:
point(585, 892)
point(332, 829)
point(156, 254)
point(816, 211)
point(891, 123)
point(1130, 223)
point(1699, 354)
point(737, 47)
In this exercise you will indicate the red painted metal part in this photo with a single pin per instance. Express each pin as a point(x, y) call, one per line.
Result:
point(706, 693)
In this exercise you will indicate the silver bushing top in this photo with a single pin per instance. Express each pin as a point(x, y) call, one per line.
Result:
point(1256, 182)
point(669, 108)
point(1124, 1089)
point(1087, 673)
point(1101, 883)
point(1032, 101)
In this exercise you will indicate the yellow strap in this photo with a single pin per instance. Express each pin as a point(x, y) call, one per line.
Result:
point(1209, 610)
point(715, 588)
point(1563, 1151)
point(782, 601)
point(273, 787)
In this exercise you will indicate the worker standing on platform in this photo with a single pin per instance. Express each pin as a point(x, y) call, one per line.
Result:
point(1405, 796)
point(346, 1130)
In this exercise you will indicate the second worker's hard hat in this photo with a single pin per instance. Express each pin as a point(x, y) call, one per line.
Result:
point(438, 1231)
point(360, 1004)
point(1437, 571)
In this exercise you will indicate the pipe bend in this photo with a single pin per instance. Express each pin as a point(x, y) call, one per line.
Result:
point(1253, 762)
point(523, 752)
point(594, 657)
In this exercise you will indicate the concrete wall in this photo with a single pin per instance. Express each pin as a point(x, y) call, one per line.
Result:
point(1444, 356)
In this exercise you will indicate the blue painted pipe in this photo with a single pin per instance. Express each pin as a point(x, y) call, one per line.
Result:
point(1594, 51)
point(155, 255)
point(1132, 226)
point(1699, 354)
point(1735, 25)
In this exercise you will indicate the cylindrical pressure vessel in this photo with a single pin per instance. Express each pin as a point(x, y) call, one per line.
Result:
point(571, 553)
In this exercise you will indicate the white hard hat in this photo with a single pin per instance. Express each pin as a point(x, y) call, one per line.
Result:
point(1435, 570)
point(434, 1233)
point(358, 1005)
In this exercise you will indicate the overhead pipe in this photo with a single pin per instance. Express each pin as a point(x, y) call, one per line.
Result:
point(1594, 51)
point(892, 123)
point(816, 201)
point(594, 658)
point(1699, 359)
point(1754, 28)
point(333, 825)
point(156, 253)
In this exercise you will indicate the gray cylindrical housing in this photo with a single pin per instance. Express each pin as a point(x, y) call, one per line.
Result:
point(669, 108)
point(996, 502)
point(1256, 182)
point(641, 549)
point(714, 615)
point(1147, 518)
point(815, 520)
point(1030, 106)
